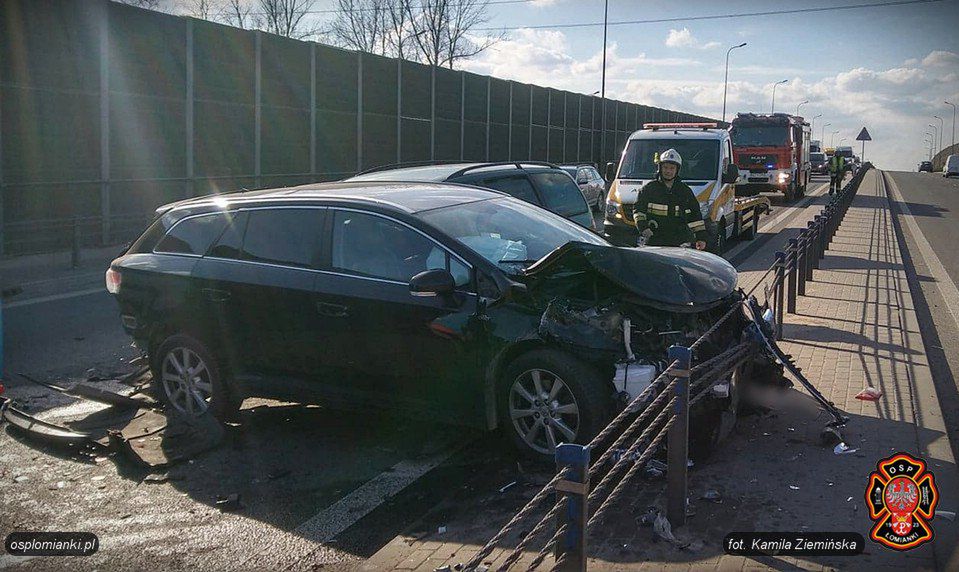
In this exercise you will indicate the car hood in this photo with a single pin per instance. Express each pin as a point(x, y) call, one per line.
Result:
point(672, 278)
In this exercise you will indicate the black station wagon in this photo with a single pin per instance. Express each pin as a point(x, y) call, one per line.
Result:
point(464, 303)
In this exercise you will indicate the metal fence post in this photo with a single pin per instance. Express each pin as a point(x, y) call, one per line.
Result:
point(780, 280)
point(810, 240)
point(571, 546)
point(817, 243)
point(677, 441)
point(793, 251)
point(801, 260)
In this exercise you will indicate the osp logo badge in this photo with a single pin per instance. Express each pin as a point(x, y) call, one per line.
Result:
point(901, 497)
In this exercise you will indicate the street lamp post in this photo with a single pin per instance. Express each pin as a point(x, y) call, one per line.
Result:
point(935, 135)
point(953, 121)
point(941, 131)
point(800, 105)
point(773, 106)
point(841, 140)
point(927, 140)
point(832, 139)
point(726, 79)
point(823, 136)
point(812, 124)
point(602, 97)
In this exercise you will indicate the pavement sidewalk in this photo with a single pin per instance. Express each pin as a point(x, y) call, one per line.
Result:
point(856, 327)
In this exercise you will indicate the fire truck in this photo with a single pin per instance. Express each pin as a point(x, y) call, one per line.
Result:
point(772, 151)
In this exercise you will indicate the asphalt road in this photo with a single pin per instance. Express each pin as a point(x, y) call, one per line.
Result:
point(928, 218)
point(315, 486)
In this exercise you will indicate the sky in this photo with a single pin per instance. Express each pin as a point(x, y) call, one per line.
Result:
point(888, 68)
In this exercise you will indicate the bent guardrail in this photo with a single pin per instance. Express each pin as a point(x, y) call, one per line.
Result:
point(660, 413)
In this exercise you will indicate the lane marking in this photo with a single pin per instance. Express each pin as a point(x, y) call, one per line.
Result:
point(947, 288)
point(53, 298)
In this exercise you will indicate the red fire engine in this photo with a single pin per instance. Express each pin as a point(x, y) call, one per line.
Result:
point(772, 151)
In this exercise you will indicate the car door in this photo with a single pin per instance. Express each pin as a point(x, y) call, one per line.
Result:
point(261, 273)
point(401, 347)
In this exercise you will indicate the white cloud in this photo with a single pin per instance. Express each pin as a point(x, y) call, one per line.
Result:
point(895, 103)
point(685, 39)
point(941, 58)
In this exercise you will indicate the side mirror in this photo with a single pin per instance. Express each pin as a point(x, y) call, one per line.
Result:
point(731, 174)
point(610, 171)
point(437, 282)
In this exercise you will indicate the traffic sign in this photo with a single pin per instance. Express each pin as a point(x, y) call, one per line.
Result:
point(863, 135)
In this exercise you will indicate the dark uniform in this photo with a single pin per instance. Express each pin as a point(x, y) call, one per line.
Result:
point(675, 211)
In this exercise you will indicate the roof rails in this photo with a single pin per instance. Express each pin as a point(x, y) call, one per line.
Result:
point(517, 164)
point(404, 164)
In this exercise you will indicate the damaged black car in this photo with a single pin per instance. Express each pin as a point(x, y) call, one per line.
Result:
point(446, 301)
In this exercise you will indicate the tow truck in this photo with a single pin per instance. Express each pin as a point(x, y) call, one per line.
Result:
point(708, 168)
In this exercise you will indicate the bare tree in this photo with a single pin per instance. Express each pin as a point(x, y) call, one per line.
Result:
point(148, 4)
point(286, 17)
point(399, 30)
point(238, 13)
point(443, 30)
point(360, 25)
point(202, 9)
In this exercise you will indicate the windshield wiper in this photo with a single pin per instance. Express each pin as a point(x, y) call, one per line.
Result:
point(518, 260)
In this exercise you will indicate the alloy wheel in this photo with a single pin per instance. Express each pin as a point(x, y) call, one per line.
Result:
point(543, 410)
point(186, 381)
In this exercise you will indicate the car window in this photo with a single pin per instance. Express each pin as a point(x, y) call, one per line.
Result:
point(377, 247)
point(515, 185)
point(282, 236)
point(595, 176)
point(193, 235)
point(230, 243)
point(560, 194)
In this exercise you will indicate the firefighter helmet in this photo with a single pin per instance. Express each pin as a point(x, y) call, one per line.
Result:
point(671, 156)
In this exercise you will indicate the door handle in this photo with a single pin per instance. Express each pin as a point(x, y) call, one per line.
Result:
point(216, 295)
point(332, 310)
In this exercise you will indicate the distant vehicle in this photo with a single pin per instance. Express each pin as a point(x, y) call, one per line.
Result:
point(590, 182)
point(951, 166)
point(536, 182)
point(708, 169)
point(774, 149)
point(819, 162)
point(815, 146)
point(925, 166)
point(846, 153)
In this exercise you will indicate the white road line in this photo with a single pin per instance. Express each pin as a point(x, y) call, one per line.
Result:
point(947, 288)
point(53, 298)
point(787, 211)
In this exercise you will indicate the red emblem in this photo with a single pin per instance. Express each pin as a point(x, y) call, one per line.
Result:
point(901, 497)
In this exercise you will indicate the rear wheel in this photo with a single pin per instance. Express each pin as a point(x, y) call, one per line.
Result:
point(547, 397)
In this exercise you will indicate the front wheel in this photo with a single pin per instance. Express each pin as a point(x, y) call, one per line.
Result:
point(189, 379)
point(547, 397)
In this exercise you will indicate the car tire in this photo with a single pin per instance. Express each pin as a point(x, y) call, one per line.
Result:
point(209, 388)
point(716, 420)
point(521, 420)
point(790, 192)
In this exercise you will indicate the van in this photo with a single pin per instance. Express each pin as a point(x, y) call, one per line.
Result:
point(708, 168)
point(951, 166)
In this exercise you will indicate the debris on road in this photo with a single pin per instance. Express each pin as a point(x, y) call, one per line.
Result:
point(507, 487)
point(229, 503)
point(441, 530)
point(831, 436)
point(843, 449)
point(712, 495)
point(794, 487)
point(869, 394)
point(664, 530)
point(946, 514)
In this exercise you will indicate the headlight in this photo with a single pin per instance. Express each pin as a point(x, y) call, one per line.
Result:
point(783, 177)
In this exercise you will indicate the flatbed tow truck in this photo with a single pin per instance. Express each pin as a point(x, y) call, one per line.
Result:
point(708, 169)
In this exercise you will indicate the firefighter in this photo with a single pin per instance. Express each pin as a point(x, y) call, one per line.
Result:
point(837, 168)
point(667, 212)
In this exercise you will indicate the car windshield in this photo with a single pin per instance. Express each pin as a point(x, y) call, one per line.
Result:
point(700, 158)
point(817, 156)
point(756, 136)
point(508, 232)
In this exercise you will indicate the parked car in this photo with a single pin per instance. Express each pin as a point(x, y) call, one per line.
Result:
point(951, 166)
point(539, 183)
point(442, 300)
point(925, 166)
point(590, 182)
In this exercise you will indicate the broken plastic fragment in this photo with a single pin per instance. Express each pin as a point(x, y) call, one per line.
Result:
point(869, 394)
point(843, 449)
point(794, 487)
point(713, 496)
point(947, 514)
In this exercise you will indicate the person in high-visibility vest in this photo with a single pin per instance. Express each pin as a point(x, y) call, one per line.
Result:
point(837, 168)
point(667, 212)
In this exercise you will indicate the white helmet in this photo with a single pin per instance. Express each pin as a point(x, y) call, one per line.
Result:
point(671, 156)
